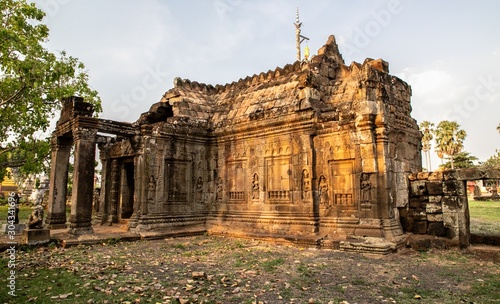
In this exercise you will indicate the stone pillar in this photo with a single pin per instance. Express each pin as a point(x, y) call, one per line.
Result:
point(383, 189)
point(102, 215)
point(139, 181)
point(56, 215)
point(114, 192)
point(83, 181)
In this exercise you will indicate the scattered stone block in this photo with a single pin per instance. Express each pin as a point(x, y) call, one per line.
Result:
point(17, 228)
point(35, 236)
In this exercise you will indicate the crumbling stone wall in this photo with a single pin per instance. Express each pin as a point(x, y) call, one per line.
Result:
point(438, 203)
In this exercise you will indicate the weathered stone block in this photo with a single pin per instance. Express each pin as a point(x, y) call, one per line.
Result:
point(450, 203)
point(417, 188)
point(470, 174)
point(418, 214)
point(436, 176)
point(422, 175)
point(435, 217)
point(434, 187)
point(17, 228)
point(35, 236)
point(453, 187)
point(433, 207)
point(450, 220)
point(417, 203)
point(420, 227)
point(449, 175)
point(406, 219)
point(435, 199)
point(412, 177)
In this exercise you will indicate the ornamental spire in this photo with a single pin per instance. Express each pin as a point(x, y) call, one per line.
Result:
point(298, 37)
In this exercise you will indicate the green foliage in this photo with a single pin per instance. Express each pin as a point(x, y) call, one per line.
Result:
point(449, 139)
point(484, 217)
point(427, 130)
point(462, 160)
point(33, 81)
point(493, 161)
point(271, 265)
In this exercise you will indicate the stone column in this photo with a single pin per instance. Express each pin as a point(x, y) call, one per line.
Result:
point(139, 186)
point(56, 215)
point(83, 181)
point(115, 185)
point(383, 189)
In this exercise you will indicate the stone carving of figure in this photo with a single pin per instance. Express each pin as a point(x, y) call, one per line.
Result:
point(96, 199)
point(199, 184)
point(365, 188)
point(218, 194)
point(323, 190)
point(199, 189)
point(306, 185)
point(255, 186)
point(35, 219)
point(151, 188)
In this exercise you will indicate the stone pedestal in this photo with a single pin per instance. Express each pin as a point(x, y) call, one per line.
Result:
point(18, 228)
point(35, 236)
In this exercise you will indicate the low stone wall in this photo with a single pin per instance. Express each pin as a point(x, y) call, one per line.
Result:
point(438, 203)
point(437, 206)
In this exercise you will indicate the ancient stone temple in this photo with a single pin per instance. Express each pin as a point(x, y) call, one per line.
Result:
point(316, 152)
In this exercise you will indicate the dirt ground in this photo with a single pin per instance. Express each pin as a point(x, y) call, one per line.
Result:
point(208, 269)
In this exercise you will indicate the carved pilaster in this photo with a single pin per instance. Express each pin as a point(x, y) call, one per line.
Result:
point(83, 181)
point(115, 184)
point(56, 215)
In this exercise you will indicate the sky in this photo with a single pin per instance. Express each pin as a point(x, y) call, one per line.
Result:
point(448, 50)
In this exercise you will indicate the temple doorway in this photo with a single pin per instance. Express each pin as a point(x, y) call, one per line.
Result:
point(126, 207)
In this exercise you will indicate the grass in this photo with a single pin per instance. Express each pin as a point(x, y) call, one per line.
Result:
point(484, 217)
point(238, 270)
point(24, 212)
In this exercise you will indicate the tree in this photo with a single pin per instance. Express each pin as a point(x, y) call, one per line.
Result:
point(33, 81)
point(426, 127)
point(462, 160)
point(493, 161)
point(449, 139)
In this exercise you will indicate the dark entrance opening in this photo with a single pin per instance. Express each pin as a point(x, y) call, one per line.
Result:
point(127, 191)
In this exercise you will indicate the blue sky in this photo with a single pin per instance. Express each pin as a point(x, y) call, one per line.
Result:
point(448, 51)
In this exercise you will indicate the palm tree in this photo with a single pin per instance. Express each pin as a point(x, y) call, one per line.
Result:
point(426, 127)
point(449, 139)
